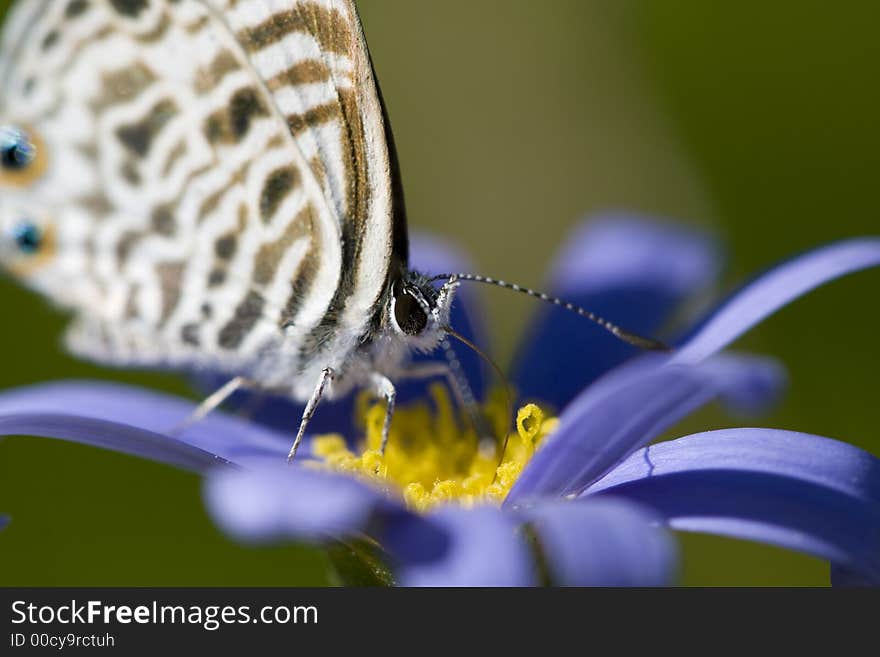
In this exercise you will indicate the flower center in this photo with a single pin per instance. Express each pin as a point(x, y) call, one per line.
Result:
point(435, 456)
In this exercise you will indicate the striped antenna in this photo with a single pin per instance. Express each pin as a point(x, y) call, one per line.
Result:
point(621, 334)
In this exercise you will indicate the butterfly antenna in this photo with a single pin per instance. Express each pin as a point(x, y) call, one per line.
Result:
point(508, 395)
point(622, 334)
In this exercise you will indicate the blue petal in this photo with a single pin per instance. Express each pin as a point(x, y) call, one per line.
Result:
point(773, 290)
point(603, 542)
point(626, 410)
point(429, 255)
point(634, 272)
point(461, 547)
point(759, 391)
point(272, 502)
point(804, 492)
point(843, 578)
point(134, 421)
point(4, 521)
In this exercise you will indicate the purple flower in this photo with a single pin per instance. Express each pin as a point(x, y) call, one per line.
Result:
point(593, 505)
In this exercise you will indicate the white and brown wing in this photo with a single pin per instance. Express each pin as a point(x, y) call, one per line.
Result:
point(315, 63)
point(216, 175)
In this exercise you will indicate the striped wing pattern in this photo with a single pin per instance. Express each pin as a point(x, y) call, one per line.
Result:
point(218, 183)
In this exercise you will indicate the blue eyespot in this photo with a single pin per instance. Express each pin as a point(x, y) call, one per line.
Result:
point(28, 237)
point(16, 150)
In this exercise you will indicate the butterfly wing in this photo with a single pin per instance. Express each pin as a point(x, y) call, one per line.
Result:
point(314, 60)
point(216, 175)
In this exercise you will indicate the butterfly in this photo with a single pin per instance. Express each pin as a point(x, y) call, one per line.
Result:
point(213, 185)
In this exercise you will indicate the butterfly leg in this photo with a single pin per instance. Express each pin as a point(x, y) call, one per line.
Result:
point(326, 375)
point(213, 401)
point(462, 388)
point(385, 388)
point(436, 369)
point(459, 386)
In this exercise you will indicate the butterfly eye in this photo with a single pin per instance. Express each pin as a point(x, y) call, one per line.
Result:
point(27, 237)
point(408, 313)
point(16, 149)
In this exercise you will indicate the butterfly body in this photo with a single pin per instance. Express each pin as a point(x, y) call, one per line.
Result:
point(211, 185)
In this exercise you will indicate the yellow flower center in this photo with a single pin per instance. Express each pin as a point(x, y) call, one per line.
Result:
point(434, 455)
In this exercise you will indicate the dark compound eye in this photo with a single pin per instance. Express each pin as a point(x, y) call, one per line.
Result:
point(28, 237)
point(16, 149)
point(408, 313)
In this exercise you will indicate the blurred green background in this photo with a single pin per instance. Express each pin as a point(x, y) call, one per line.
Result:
point(514, 119)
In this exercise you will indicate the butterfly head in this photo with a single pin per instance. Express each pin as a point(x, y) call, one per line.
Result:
point(418, 312)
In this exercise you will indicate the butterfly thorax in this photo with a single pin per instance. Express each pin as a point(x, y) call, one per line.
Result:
point(411, 318)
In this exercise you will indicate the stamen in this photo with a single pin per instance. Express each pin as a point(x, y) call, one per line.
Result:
point(433, 457)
